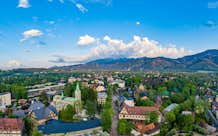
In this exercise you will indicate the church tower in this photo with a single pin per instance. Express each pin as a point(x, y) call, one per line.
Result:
point(78, 102)
point(77, 93)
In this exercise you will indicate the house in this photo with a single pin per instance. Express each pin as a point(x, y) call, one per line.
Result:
point(22, 101)
point(102, 96)
point(137, 112)
point(165, 94)
point(40, 113)
point(170, 107)
point(143, 95)
point(129, 101)
point(120, 83)
point(11, 127)
point(71, 80)
point(100, 88)
point(147, 130)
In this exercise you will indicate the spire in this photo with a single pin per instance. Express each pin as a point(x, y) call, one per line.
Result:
point(77, 87)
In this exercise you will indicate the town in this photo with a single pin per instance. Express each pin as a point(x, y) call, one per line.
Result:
point(103, 103)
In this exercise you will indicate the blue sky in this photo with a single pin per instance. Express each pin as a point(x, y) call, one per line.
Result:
point(43, 33)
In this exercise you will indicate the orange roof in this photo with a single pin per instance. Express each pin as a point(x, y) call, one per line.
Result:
point(143, 128)
point(11, 124)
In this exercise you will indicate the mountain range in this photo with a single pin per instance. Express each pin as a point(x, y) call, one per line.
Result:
point(206, 61)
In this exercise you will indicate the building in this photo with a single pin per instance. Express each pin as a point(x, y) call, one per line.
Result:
point(60, 128)
point(40, 113)
point(78, 101)
point(100, 88)
point(11, 127)
point(170, 107)
point(137, 112)
point(102, 96)
point(60, 101)
point(35, 91)
point(121, 83)
point(129, 101)
point(71, 80)
point(143, 95)
point(147, 130)
point(5, 99)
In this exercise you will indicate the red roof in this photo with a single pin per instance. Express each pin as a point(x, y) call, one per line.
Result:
point(143, 128)
point(139, 110)
point(10, 124)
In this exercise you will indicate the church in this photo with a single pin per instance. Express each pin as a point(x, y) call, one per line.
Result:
point(60, 101)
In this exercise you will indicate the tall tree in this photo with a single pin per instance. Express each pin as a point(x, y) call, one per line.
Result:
point(91, 108)
point(43, 98)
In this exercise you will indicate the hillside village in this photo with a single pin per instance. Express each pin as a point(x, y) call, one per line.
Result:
point(110, 103)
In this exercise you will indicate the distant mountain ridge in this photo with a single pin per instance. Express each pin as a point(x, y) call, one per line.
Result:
point(207, 60)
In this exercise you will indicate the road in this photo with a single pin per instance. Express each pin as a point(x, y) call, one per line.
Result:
point(115, 117)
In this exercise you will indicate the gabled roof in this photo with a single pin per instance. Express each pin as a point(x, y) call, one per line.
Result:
point(142, 94)
point(40, 111)
point(36, 105)
point(10, 124)
point(139, 110)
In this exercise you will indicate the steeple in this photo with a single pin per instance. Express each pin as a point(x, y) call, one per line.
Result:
point(78, 99)
point(77, 92)
point(77, 87)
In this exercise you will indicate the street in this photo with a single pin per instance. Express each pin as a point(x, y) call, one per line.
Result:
point(115, 117)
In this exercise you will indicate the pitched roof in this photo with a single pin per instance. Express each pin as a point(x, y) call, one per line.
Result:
point(40, 111)
point(44, 112)
point(10, 124)
point(139, 110)
point(36, 105)
point(142, 94)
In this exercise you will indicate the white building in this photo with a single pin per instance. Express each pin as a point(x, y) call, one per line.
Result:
point(170, 107)
point(5, 99)
point(71, 80)
point(100, 88)
point(102, 96)
point(129, 102)
point(121, 83)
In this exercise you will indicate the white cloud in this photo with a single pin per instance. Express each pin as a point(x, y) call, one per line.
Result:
point(115, 48)
point(86, 40)
point(81, 8)
point(23, 4)
point(31, 33)
point(138, 47)
point(13, 64)
point(137, 23)
point(213, 4)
